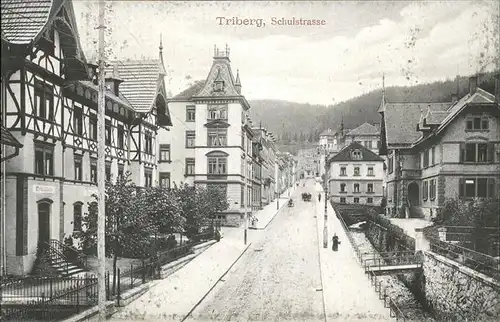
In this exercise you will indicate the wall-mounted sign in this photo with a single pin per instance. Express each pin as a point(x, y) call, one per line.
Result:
point(43, 189)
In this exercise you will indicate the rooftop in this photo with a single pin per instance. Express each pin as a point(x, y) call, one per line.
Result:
point(365, 129)
point(346, 154)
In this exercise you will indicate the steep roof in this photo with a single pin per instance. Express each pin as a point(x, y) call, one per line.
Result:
point(6, 138)
point(365, 129)
point(479, 97)
point(23, 21)
point(346, 154)
point(141, 81)
point(401, 120)
point(328, 132)
point(191, 91)
point(220, 71)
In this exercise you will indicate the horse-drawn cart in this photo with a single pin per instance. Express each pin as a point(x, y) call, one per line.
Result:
point(306, 196)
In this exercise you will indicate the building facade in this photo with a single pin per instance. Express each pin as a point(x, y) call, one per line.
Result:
point(49, 104)
point(437, 151)
point(367, 135)
point(355, 176)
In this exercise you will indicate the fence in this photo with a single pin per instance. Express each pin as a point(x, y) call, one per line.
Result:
point(480, 262)
point(388, 301)
point(46, 298)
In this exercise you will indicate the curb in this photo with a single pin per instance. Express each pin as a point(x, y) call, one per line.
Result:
point(215, 284)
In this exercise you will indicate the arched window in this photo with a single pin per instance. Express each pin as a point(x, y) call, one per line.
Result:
point(77, 216)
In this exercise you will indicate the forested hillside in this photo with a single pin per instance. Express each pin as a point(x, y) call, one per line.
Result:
point(294, 122)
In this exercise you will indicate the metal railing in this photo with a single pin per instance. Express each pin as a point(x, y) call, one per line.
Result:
point(46, 298)
point(64, 255)
point(480, 262)
point(381, 262)
point(388, 301)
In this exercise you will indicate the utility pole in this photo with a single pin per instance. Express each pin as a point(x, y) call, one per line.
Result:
point(325, 228)
point(101, 221)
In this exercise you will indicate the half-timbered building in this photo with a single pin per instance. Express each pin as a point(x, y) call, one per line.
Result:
point(49, 104)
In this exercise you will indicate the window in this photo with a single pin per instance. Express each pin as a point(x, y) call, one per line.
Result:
point(107, 171)
point(121, 136)
point(476, 152)
point(477, 188)
point(44, 159)
point(369, 200)
point(190, 113)
point(342, 187)
point(190, 164)
point(190, 139)
point(356, 200)
point(426, 158)
point(433, 159)
point(390, 164)
point(217, 165)
point(477, 123)
point(433, 189)
point(370, 187)
point(148, 138)
point(370, 172)
point(120, 170)
point(108, 132)
point(217, 112)
point(356, 187)
point(93, 170)
point(342, 199)
point(77, 216)
point(356, 155)
point(78, 120)
point(148, 177)
point(242, 196)
point(217, 137)
point(44, 100)
point(164, 152)
point(425, 190)
point(356, 171)
point(78, 168)
point(368, 144)
point(165, 180)
point(93, 126)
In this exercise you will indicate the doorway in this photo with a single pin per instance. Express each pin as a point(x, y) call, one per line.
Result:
point(413, 194)
point(43, 222)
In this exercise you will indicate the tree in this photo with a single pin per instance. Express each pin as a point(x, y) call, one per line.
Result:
point(127, 225)
point(295, 137)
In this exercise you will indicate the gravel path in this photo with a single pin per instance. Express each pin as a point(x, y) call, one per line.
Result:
point(278, 278)
point(405, 300)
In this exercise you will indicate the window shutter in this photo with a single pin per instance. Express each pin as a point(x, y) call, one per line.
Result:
point(462, 152)
point(461, 187)
point(491, 188)
point(491, 152)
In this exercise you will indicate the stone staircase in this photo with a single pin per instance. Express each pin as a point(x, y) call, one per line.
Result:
point(65, 261)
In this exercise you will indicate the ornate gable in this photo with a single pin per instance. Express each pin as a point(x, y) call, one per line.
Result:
point(220, 80)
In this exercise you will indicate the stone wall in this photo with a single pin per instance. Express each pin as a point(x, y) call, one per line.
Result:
point(386, 239)
point(458, 292)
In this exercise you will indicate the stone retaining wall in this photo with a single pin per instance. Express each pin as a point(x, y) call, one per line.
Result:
point(455, 291)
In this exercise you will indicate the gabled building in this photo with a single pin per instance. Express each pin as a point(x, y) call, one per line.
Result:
point(441, 150)
point(355, 176)
point(49, 95)
point(367, 135)
point(216, 137)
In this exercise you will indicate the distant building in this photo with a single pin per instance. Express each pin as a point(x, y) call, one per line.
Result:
point(441, 150)
point(367, 135)
point(355, 176)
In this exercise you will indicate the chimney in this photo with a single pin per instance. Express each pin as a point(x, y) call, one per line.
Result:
point(472, 84)
point(454, 98)
point(497, 88)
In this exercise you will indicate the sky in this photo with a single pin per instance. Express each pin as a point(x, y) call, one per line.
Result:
point(408, 42)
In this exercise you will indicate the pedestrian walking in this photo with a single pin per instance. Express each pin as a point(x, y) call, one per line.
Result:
point(319, 197)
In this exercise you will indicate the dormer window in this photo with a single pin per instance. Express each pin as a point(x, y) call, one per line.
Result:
point(218, 85)
point(356, 155)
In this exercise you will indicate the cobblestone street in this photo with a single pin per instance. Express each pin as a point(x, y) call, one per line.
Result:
point(277, 278)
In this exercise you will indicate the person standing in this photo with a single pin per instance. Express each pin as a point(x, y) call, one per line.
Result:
point(319, 197)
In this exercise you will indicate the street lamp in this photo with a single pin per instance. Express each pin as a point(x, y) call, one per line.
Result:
point(325, 181)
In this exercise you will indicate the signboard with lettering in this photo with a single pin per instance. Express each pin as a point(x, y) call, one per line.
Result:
point(44, 189)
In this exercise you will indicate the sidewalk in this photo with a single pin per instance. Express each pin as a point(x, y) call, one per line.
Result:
point(267, 214)
point(175, 296)
point(347, 292)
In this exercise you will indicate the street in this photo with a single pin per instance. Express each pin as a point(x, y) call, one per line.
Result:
point(277, 278)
